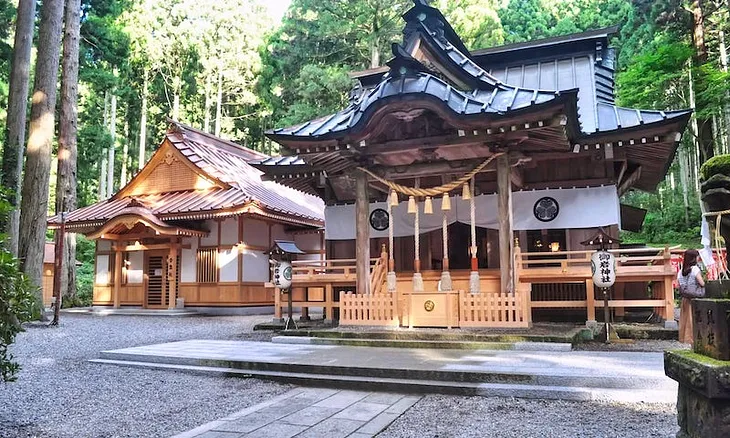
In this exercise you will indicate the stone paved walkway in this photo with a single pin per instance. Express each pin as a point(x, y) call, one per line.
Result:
point(311, 412)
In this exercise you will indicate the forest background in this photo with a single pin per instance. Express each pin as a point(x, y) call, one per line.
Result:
point(230, 68)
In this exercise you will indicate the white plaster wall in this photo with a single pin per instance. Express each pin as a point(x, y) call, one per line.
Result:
point(256, 233)
point(228, 264)
point(135, 269)
point(212, 238)
point(229, 231)
point(103, 245)
point(255, 266)
point(187, 261)
point(102, 270)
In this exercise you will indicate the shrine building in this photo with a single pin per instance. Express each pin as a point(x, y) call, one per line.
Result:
point(460, 184)
point(194, 224)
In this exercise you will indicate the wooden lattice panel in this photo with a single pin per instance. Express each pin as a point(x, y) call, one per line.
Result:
point(171, 176)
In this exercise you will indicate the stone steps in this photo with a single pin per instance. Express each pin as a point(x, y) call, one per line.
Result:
point(574, 335)
point(487, 389)
point(418, 343)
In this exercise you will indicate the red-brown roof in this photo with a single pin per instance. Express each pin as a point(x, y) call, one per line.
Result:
point(224, 161)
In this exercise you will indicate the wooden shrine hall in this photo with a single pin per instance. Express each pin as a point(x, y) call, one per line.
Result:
point(193, 227)
point(459, 184)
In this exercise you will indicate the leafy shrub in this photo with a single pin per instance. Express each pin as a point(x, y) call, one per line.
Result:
point(17, 301)
point(717, 164)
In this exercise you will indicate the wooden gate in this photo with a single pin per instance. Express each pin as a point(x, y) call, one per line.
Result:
point(497, 309)
point(155, 280)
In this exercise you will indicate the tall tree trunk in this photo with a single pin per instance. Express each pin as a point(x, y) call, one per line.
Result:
point(34, 204)
point(724, 64)
point(374, 55)
point(125, 155)
point(102, 176)
point(219, 104)
point(683, 177)
point(176, 106)
point(105, 153)
point(704, 123)
point(143, 124)
point(67, 143)
point(206, 117)
point(113, 146)
point(12, 161)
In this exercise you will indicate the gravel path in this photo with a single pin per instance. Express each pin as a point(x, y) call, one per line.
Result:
point(447, 416)
point(60, 394)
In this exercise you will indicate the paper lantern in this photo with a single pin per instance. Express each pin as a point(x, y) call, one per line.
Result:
point(446, 203)
point(603, 267)
point(428, 206)
point(282, 275)
point(412, 205)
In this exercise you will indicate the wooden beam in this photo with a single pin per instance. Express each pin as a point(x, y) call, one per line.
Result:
point(629, 180)
point(506, 242)
point(172, 276)
point(150, 247)
point(362, 232)
point(517, 177)
point(117, 278)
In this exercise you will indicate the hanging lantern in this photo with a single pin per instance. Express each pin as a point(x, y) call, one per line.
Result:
point(412, 205)
point(465, 192)
point(428, 206)
point(393, 198)
point(446, 203)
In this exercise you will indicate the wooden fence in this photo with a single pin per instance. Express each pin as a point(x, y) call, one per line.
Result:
point(494, 309)
point(369, 309)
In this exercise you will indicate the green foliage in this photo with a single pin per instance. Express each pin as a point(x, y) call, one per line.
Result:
point(17, 302)
point(318, 91)
point(656, 77)
point(85, 252)
point(717, 164)
point(665, 219)
point(477, 22)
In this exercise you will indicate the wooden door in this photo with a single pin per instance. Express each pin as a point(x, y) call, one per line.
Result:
point(155, 275)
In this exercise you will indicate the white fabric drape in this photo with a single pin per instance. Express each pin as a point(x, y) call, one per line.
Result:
point(578, 208)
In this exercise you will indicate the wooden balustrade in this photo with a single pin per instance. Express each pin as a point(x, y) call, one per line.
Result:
point(501, 309)
point(369, 309)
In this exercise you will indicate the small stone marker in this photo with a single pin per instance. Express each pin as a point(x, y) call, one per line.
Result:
point(711, 320)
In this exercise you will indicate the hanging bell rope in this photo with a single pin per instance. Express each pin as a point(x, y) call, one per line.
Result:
point(433, 191)
point(722, 264)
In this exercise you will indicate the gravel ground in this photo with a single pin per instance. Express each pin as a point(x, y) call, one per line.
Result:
point(60, 394)
point(447, 416)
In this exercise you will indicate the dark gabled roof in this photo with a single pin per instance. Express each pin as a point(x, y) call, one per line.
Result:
point(612, 117)
point(603, 33)
point(409, 78)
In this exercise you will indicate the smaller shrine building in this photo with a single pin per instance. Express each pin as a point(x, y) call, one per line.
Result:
point(194, 224)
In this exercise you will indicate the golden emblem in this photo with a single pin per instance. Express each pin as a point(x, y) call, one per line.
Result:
point(429, 305)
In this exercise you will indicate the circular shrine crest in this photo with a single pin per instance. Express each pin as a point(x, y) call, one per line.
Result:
point(429, 305)
point(379, 219)
point(546, 209)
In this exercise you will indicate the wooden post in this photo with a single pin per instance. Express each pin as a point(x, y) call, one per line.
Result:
point(117, 275)
point(590, 302)
point(277, 305)
point(172, 275)
point(362, 233)
point(506, 249)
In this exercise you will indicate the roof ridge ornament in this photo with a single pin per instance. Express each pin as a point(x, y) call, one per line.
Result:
point(403, 63)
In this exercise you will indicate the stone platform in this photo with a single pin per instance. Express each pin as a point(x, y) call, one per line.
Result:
point(569, 375)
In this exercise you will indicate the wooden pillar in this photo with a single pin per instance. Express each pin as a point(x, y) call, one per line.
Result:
point(590, 302)
point(117, 275)
point(172, 275)
point(362, 233)
point(506, 248)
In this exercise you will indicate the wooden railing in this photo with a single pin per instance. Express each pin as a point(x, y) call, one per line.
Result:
point(500, 309)
point(378, 273)
point(568, 272)
point(369, 309)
